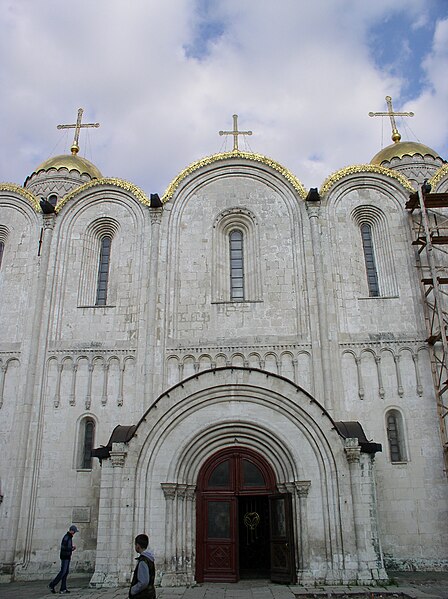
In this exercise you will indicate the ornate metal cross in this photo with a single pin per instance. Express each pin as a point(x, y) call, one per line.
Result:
point(391, 114)
point(77, 127)
point(235, 133)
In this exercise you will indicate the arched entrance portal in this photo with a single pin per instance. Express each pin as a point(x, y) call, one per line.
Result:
point(244, 529)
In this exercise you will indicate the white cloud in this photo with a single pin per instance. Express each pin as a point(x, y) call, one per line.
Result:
point(299, 74)
point(431, 127)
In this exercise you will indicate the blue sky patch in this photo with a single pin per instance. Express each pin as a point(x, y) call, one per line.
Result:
point(399, 46)
point(207, 29)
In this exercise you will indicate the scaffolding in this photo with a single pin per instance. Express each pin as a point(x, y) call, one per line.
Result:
point(429, 221)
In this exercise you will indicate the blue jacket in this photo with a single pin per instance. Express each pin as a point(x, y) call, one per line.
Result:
point(66, 546)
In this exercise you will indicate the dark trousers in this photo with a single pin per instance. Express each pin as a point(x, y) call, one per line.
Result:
point(62, 576)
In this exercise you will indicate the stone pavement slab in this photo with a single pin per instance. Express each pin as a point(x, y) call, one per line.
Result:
point(413, 585)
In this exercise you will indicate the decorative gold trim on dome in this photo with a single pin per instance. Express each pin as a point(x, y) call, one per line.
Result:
point(32, 199)
point(364, 168)
point(70, 162)
point(438, 176)
point(120, 183)
point(228, 156)
point(401, 149)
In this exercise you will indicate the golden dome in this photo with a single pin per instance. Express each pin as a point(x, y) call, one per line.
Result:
point(400, 149)
point(71, 162)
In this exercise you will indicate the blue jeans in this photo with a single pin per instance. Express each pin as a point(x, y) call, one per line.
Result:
point(63, 573)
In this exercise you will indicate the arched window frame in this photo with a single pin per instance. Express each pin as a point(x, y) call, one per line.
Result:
point(103, 270)
point(86, 442)
point(395, 437)
point(381, 246)
point(236, 256)
point(4, 231)
point(94, 235)
point(236, 219)
point(369, 259)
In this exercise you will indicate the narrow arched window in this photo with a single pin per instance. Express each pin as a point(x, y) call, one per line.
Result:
point(395, 436)
point(2, 249)
point(87, 441)
point(369, 257)
point(236, 266)
point(103, 271)
point(53, 199)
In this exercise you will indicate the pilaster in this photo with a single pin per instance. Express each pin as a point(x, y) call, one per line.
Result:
point(108, 542)
point(370, 564)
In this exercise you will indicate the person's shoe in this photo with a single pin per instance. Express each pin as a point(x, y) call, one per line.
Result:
point(63, 592)
point(51, 588)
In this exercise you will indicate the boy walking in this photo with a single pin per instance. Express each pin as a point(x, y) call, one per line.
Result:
point(142, 584)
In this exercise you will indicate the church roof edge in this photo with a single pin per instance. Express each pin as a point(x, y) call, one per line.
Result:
point(331, 180)
point(292, 179)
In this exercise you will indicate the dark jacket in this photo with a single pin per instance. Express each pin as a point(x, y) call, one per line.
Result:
point(149, 592)
point(66, 546)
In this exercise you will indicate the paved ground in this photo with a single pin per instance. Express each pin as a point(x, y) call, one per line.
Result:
point(417, 585)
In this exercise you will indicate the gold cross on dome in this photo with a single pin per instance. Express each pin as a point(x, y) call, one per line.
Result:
point(77, 127)
point(391, 114)
point(235, 133)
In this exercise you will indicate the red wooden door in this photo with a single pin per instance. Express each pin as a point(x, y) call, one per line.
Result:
point(220, 539)
point(282, 541)
point(225, 476)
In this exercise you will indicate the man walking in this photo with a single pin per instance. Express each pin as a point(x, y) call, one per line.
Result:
point(142, 584)
point(67, 549)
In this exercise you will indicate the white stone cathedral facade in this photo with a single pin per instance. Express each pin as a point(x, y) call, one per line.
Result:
point(238, 338)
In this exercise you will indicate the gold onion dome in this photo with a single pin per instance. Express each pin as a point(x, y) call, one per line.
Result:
point(399, 149)
point(70, 162)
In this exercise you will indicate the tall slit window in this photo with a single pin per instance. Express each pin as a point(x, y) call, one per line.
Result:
point(369, 257)
point(87, 444)
point(2, 249)
point(236, 266)
point(103, 271)
point(395, 437)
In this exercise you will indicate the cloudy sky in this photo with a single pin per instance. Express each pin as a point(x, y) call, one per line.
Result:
point(164, 76)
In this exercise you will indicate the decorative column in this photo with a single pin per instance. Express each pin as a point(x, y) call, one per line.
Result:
point(57, 394)
point(302, 489)
point(180, 533)
point(419, 387)
point(380, 376)
point(2, 382)
point(169, 578)
point(105, 377)
point(361, 392)
point(89, 387)
point(323, 349)
point(295, 364)
point(72, 400)
point(121, 383)
point(398, 371)
point(150, 368)
point(190, 519)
